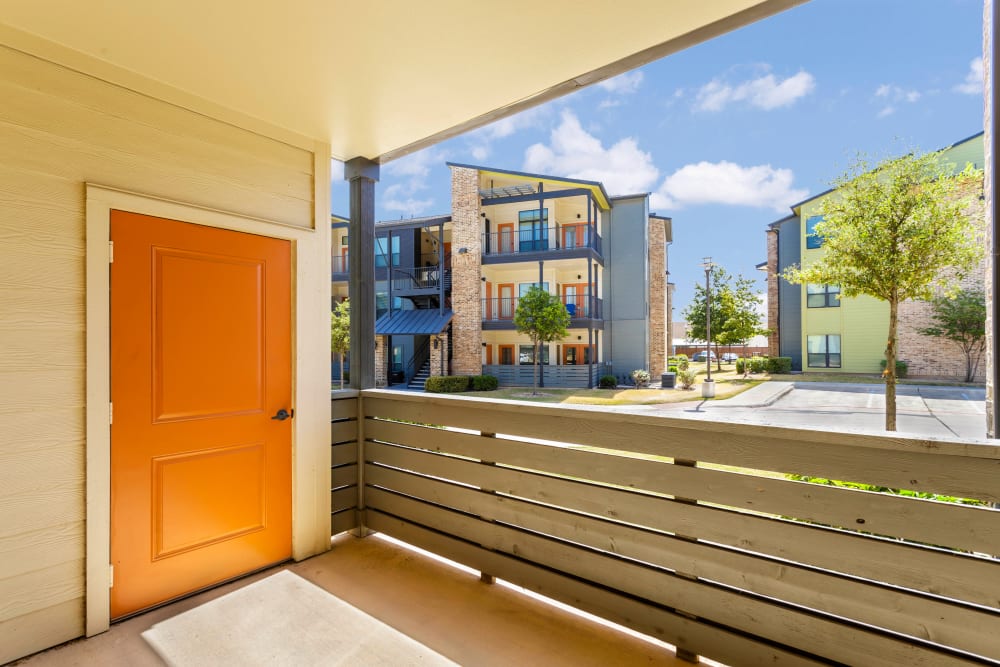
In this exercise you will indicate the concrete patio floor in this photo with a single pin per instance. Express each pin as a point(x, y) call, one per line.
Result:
point(446, 609)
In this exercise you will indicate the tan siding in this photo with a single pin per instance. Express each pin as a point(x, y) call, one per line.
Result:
point(58, 130)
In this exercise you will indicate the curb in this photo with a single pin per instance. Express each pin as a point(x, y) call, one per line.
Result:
point(767, 401)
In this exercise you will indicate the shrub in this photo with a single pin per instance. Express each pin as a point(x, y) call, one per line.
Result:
point(484, 382)
point(902, 368)
point(608, 382)
point(779, 365)
point(640, 377)
point(741, 365)
point(685, 378)
point(672, 368)
point(682, 363)
point(447, 384)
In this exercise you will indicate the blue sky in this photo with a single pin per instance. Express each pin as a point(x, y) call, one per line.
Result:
point(727, 134)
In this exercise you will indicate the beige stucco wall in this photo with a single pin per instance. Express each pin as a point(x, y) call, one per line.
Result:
point(58, 131)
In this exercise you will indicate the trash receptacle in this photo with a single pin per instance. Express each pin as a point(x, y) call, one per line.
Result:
point(667, 380)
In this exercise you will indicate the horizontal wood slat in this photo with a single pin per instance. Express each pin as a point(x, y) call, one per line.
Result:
point(731, 647)
point(343, 521)
point(343, 498)
point(825, 636)
point(344, 453)
point(344, 431)
point(344, 404)
point(344, 476)
point(920, 616)
point(937, 466)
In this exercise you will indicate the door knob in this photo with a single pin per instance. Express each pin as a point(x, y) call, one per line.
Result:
point(283, 414)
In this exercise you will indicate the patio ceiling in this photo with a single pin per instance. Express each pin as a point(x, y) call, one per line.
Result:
point(374, 79)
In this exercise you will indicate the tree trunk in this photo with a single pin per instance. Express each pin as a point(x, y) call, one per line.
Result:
point(890, 367)
point(534, 390)
point(341, 370)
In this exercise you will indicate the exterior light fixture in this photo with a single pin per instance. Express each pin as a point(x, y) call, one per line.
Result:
point(463, 251)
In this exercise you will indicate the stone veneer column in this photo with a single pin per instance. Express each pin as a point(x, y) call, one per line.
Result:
point(381, 377)
point(657, 297)
point(466, 269)
point(989, 123)
point(773, 316)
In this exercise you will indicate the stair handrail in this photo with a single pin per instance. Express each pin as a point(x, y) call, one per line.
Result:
point(420, 356)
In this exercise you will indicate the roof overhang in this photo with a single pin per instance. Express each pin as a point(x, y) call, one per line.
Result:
point(372, 79)
point(421, 322)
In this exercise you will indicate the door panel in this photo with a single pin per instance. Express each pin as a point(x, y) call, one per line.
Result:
point(200, 361)
point(505, 298)
point(506, 238)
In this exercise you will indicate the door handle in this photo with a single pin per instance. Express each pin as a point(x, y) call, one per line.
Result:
point(283, 414)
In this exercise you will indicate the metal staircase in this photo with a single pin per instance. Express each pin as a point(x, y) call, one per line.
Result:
point(420, 378)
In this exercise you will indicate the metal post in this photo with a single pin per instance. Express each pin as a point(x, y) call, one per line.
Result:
point(708, 387)
point(362, 175)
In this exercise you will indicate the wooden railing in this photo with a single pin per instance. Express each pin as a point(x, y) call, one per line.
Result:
point(692, 532)
point(344, 431)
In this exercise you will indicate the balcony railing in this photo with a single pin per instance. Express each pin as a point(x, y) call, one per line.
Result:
point(341, 263)
point(558, 238)
point(580, 306)
point(696, 533)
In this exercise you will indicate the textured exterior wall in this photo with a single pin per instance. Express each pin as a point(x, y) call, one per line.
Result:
point(466, 290)
point(381, 361)
point(59, 130)
point(990, 360)
point(626, 310)
point(938, 356)
point(657, 297)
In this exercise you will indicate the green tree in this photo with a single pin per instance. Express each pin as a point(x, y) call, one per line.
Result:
point(889, 231)
point(340, 333)
point(962, 320)
point(735, 314)
point(544, 318)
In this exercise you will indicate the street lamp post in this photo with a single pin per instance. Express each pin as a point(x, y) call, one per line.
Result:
point(708, 386)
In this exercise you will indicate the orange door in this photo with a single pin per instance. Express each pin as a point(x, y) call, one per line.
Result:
point(489, 355)
point(488, 311)
point(506, 355)
point(505, 299)
point(200, 364)
point(506, 238)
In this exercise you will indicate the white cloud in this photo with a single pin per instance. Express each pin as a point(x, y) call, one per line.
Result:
point(760, 186)
point(766, 92)
point(609, 103)
point(973, 84)
point(890, 96)
point(623, 168)
point(481, 140)
point(623, 84)
point(412, 173)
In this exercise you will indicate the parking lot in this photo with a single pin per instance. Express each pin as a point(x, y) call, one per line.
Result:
point(924, 410)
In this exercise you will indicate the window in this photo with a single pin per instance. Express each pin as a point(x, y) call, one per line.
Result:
point(822, 296)
point(343, 240)
point(382, 251)
point(397, 358)
point(524, 287)
point(823, 351)
point(533, 230)
point(813, 240)
point(526, 354)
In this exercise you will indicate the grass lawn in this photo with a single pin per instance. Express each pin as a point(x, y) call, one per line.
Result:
point(727, 383)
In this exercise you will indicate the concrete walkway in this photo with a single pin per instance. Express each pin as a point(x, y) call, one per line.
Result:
point(922, 410)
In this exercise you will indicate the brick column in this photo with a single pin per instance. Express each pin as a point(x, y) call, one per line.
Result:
point(772, 293)
point(439, 357)
point(466, 265)
point(657, 297)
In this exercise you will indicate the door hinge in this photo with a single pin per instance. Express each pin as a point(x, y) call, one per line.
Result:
point(111, 252)
point(111, 575)
point(111, 413)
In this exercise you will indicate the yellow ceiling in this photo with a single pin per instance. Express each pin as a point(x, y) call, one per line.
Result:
point(374, 78)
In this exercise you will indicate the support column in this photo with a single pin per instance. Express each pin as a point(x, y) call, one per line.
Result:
point(466, 260)
point(362, 175)
point(991, 16)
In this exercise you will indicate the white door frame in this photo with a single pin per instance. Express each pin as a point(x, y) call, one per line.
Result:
point(310, 375)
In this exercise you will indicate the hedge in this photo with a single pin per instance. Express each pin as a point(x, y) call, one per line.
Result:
point(447, 384)
point(608, 382)
point(765, 365)
point(902, 368)
point(484, 383)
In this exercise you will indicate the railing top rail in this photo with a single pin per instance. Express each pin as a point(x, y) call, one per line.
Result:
point(697, 440)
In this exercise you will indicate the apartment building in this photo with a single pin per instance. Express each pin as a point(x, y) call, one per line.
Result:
point(447, 286)
point(821, 331)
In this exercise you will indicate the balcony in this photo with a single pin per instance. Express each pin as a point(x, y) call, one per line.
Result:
point(694, 533)
point(584, 310)
point(561, 240)
point(341, 266)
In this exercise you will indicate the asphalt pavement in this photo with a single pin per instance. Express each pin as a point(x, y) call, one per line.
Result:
point(922, 410)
